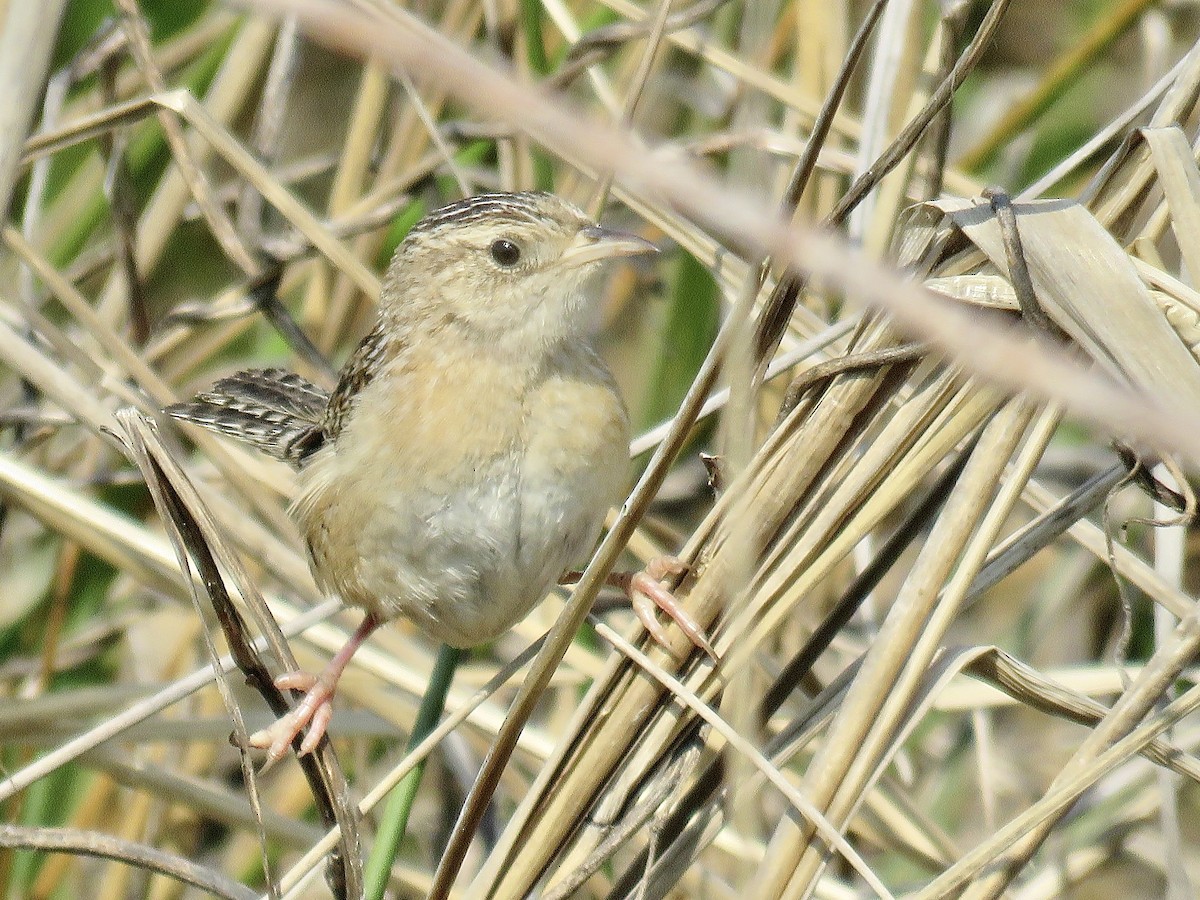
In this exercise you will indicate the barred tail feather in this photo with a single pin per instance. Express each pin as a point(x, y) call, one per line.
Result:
point(274, 410)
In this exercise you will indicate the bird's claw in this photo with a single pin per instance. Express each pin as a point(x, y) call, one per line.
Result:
point(647, 594)
point(314, 712)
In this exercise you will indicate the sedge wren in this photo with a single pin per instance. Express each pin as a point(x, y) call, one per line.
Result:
point(472, 445)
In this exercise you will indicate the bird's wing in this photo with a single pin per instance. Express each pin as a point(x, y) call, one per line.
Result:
point(364, 363)
point(274, 410)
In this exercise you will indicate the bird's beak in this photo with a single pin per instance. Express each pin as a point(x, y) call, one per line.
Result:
point(594, 243)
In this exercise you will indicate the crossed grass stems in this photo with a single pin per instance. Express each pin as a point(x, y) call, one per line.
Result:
point(923, 413)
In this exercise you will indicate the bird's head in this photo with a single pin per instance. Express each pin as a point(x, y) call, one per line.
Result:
point(509, 270)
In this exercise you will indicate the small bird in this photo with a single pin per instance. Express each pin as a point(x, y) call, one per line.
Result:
point(471, 447)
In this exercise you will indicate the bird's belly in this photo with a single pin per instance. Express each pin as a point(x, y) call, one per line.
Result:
point(451, 565)
point(465, 563)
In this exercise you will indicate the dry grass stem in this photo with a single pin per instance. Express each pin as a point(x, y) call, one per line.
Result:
point(940, 541)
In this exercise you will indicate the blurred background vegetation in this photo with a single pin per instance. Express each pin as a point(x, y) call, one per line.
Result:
point(132, 279)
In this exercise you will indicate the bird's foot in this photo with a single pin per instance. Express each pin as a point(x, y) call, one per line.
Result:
point(315, 708)
point(647, 594)
point(313, 712)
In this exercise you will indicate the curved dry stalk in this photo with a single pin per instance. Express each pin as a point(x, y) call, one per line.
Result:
point(90, 843)
point(636, 786)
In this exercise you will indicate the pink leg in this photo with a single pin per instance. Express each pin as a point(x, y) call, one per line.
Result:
point(316, 708)
point(647, 595)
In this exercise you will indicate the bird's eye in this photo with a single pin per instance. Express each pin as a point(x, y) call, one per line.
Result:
point(505, 252)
